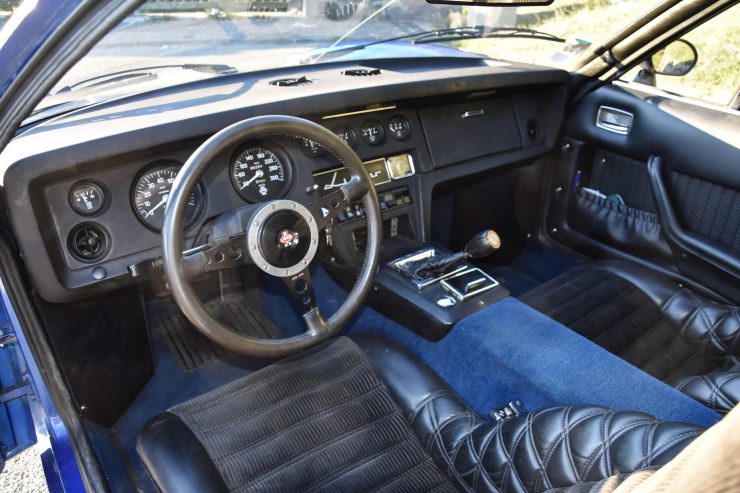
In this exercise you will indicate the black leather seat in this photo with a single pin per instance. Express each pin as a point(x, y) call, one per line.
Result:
point(367, 415)
point(669, 331)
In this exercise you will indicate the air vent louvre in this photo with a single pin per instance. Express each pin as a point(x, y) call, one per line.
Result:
point(292, 81)
point(362, 72)
point(88, 242)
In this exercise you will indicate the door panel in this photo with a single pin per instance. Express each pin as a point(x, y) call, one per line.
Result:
point(668, 190)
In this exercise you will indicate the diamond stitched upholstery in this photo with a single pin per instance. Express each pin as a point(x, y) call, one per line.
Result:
point(713, 330)
point(720, 390)
point(668, 331)
point(551, 448)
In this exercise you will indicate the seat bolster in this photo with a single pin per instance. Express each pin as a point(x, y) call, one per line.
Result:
point(555, 447)
point(719, 390)
point(712, 329)
point(657, 287)
point(411, 383)
point(175, 458)
point(551, 448)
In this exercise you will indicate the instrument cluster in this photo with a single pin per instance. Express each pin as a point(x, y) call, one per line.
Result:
point(258, 172)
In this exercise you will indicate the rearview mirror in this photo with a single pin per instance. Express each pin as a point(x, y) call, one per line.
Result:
point(494, 3)
point(677, 59)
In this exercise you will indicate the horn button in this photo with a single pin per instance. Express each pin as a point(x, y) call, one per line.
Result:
point(284, 239)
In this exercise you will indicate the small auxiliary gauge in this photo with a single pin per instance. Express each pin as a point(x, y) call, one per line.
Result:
point(87, 198)
point(347, 134)
point(399, 127)
point(372, 132)
point(311, 148)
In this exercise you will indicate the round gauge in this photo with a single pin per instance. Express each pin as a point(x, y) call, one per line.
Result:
point(258, 174)
point(87, 198)
point(372, 132)
point(347, 134)
point(152, 191)
point(311, 148)
point(400, 127)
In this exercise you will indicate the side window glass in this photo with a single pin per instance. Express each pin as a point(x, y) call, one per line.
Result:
point(715, 77)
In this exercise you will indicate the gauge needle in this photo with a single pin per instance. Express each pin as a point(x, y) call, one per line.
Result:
point(258, 174)
point(161, 203)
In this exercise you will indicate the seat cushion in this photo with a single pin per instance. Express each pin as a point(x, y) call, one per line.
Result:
point(647, 319)
point(366, 415)
point(318, 421)
point(550, 448)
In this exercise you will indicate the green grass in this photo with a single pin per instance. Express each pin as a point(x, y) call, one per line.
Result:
point(589, 20)
point(715, 78)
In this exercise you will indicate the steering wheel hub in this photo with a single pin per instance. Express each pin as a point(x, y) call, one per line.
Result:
point(282, 238)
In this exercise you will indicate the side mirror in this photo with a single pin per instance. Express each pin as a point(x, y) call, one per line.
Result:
point(677, 59)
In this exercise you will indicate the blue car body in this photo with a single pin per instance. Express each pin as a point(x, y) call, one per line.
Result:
point(28, 413)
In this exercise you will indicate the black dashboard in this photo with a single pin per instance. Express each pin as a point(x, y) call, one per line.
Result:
point(86, 192)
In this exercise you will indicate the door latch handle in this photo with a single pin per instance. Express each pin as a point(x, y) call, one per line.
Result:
point(614, 120)
point(472, 113)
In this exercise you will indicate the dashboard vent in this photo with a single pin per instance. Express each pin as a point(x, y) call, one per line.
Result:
point(362, 72)
point(292, 81)
point(88, 242)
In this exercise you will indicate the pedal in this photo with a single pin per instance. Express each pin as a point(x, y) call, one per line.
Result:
point(510, 410)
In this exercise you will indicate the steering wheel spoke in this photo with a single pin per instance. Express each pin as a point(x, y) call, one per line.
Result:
point(225, 254)
point(301, 289)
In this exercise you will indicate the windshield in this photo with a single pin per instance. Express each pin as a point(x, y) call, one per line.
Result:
point(166, 42)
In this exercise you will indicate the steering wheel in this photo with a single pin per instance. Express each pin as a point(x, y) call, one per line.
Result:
point(280, 236)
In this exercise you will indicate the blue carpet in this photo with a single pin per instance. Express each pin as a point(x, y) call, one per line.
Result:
point(543, 263)
point(169, 385)
point(534, 265)
point(509, 351)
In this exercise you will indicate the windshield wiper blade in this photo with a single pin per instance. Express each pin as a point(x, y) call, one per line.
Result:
point(481, 32)
point(146, 73)
point(444, 35)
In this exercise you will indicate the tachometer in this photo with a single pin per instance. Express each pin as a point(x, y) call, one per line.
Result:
point(152, 192)
point(258, 174)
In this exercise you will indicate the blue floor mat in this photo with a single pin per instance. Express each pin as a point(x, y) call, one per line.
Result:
point(534, 265)
point(510, 351)
point(170, 385)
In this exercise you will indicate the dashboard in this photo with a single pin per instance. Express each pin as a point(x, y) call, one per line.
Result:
point(87, 193)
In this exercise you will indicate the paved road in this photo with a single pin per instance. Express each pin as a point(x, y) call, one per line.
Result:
point(23, 474)
point(242, 42)
point(250, 43)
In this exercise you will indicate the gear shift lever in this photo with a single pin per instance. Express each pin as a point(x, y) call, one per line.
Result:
point(481, 245)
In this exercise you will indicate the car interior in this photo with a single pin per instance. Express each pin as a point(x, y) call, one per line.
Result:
point(410, 274)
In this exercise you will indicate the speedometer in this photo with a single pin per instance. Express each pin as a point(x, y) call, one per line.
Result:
point(258, 174)
point(152, 192)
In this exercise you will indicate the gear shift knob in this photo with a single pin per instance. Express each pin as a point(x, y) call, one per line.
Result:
point(483, 244)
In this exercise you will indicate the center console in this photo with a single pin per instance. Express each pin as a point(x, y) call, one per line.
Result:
point(428, 289)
